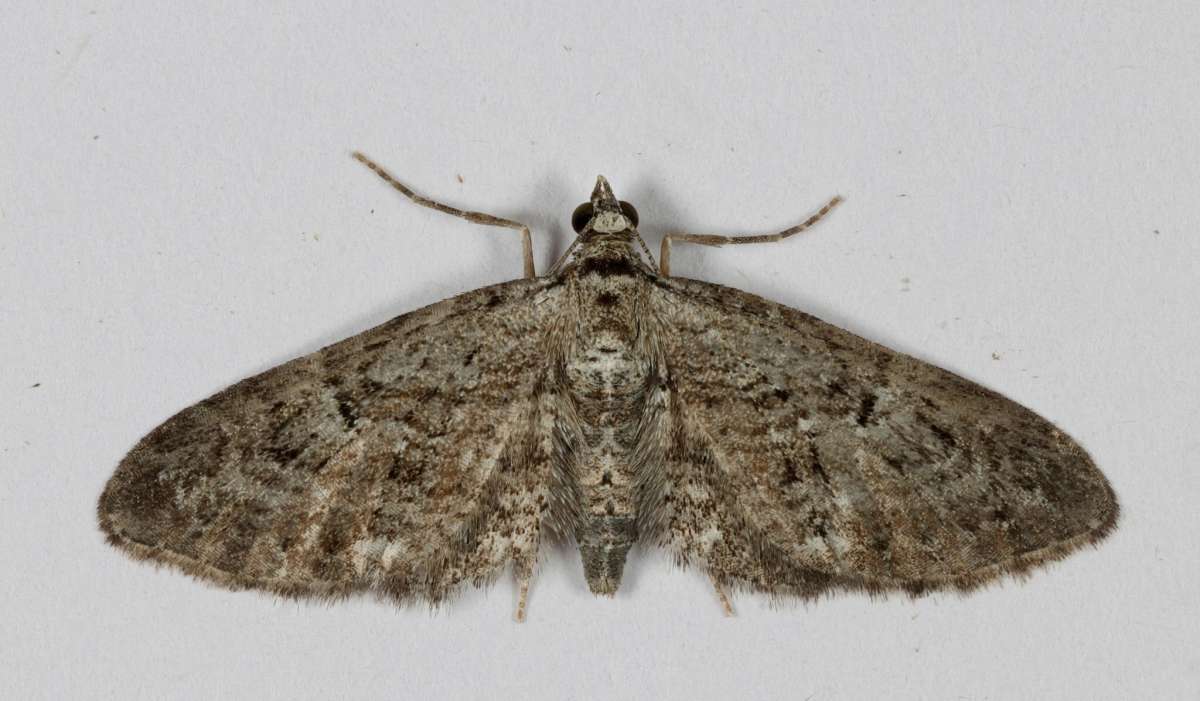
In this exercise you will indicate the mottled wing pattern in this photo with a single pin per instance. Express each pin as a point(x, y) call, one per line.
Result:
point(407, 459)
point(803, 458)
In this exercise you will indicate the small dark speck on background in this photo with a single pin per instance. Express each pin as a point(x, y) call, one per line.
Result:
point(35, 385)
point(460, 178)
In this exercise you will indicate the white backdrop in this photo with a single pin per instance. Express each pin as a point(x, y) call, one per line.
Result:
point(178, 209)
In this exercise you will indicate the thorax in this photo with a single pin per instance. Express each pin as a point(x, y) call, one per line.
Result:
point(609, 358)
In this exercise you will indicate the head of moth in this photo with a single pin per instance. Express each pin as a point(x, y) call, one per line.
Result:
point(603, 214)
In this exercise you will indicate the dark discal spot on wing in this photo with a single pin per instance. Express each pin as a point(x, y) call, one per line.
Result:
point(894, 463)
point(791, 474)
point(346, 407)
point(941, 433)
point(866, 408)
point(405, 470)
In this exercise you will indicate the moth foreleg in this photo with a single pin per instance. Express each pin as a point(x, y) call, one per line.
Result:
point(476, 217)
point(725, 603)
point(713, 240)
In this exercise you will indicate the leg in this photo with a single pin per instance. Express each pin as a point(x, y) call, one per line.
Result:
point(710, 240)
point(563, 258)
point(523, 570)
point(477, 217)
point(721, 595)
point(645, 249)
point(522, 600)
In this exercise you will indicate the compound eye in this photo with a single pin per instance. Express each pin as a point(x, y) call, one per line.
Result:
point(582, 215)
point(630, 213)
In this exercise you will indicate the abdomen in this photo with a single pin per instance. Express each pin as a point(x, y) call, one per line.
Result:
point(607, 375)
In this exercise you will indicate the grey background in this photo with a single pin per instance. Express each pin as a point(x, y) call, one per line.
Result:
point(178, 209)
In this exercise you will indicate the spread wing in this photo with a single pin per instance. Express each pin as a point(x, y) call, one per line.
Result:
point(406, 459)
point(805, 458)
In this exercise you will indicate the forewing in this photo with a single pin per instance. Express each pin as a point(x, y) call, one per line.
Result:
point(824, 460)
point(406, 459)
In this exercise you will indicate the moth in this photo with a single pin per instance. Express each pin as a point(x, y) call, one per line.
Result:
point(609, 404)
